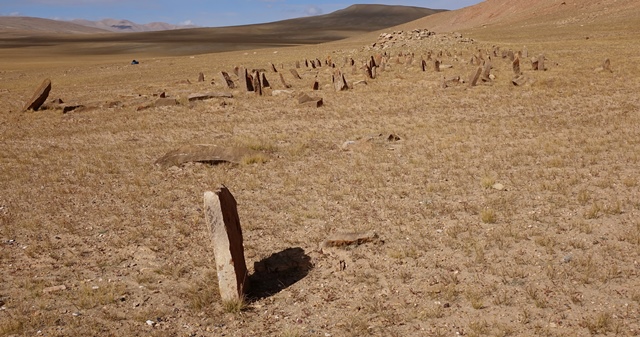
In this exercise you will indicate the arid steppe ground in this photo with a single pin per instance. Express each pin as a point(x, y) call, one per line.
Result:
point(500, 210)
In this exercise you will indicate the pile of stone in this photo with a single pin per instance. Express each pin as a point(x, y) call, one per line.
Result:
point(386, 40)
point(406, 38)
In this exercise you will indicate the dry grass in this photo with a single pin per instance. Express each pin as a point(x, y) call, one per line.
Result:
point(554, 253)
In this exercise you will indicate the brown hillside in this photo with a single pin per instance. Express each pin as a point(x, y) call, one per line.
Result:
point(22, 26)
point(532, 13)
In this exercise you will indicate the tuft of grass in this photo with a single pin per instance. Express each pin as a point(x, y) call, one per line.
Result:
point(258, 158)
point(12, 326)
point(91, 296)
point(488, 215)
point(600, 324)
point(291, 333)
point(234, 306)
point(593, 212)
point(475, 298)
point(487, 182)
point(204, 293)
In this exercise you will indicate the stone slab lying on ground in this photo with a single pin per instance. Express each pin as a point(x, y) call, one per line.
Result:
point(348, 239)
point(39, 96)
point(210, 95)
point(205, 153)
point(310, 101)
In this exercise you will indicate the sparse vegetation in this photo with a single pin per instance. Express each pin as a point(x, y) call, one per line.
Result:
point(83, 205)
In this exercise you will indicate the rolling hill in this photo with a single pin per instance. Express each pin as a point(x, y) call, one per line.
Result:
point(126, 26)
point(352, 21)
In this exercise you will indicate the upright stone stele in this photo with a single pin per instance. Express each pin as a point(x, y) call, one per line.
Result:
point(541, 66)
point(221, 215)
point(475, 76)
point(516, 66)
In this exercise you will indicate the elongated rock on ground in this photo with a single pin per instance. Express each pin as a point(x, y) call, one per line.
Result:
point(205, 153)
point(221, 214)
point(39, 96)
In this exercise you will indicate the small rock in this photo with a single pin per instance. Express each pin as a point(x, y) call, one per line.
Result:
point(151, 323)
point(54, 288)
point(498, 186)
point(567, 258)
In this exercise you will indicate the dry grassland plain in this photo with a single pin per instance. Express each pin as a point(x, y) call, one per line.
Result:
point(554, 252)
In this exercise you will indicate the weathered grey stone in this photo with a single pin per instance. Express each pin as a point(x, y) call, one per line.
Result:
point(436, 65)
point(606, 65)
point(378, 60)
point(39, 96)
point(72, 107)
point(257, 85)
point(475, 76)
point(409, 60)
point(519, 80)
point(246, 79)
point(284, 83)
point(221, 214)
point(210, 95)
point(201, 77)
point(165, 101)
point(486, 71)
point(226, 80)
point(339, 82)
point(541, 63)
point(516, 66)
point(310, 101)
point(295, 73)
point(265, 83)
point(368, 71)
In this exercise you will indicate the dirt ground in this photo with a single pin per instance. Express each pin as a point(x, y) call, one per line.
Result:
point(499, 210)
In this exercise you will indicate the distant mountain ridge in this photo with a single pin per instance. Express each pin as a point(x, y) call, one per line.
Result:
point(126, 26)
point(349, 22)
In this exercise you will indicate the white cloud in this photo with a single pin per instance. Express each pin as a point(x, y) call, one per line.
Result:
point(312, 10)
point(186, 23)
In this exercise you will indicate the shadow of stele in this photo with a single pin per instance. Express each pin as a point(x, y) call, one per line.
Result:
point(277, 272)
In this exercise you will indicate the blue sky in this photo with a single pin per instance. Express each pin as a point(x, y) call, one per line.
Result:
point(199, 12)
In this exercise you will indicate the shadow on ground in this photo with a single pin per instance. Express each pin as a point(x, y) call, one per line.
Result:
point(277, 272)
